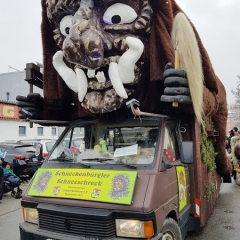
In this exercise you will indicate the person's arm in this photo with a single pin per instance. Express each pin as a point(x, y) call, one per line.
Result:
point(5, 171)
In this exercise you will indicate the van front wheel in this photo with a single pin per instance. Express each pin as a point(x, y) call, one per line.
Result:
point(171, 230)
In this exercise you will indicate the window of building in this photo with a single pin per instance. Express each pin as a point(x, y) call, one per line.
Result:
point(40, 131)
point(54, 131)
point(22, 131)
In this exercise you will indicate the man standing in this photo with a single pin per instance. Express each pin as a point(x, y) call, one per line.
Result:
point(233, 132)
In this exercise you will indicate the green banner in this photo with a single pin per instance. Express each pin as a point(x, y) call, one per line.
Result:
point(182, 187)
point(85, 184)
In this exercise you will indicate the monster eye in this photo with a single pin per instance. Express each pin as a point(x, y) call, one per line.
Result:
point(119, 13)
point(66, 24)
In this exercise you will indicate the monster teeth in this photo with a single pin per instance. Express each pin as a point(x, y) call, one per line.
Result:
point(82, 83)
point(66, 73)
point(119, 73)
point(127, 61)
point(91, 73)
point(100, 77)
point(76, 81)
point(116, 80)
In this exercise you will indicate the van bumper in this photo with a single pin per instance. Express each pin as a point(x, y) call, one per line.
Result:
point(31, 231)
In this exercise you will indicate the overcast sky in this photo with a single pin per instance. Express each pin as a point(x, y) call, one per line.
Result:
point(217, 22)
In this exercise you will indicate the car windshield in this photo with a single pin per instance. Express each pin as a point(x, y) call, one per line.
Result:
point(132, 143)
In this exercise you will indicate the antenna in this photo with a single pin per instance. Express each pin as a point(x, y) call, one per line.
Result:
point(39, 64)
point(9, 67)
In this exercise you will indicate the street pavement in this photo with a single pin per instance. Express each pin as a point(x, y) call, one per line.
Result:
point(10, 216)
point(223, 223)
point(10, 204)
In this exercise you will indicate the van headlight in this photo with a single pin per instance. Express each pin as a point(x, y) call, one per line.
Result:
point(134, 228)
point(30, 215)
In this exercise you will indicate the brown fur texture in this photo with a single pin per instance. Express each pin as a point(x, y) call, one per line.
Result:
point(62, 104)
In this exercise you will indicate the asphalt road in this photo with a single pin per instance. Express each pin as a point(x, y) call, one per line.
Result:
point(10, 217)
point(223, 223)
point(9, 225)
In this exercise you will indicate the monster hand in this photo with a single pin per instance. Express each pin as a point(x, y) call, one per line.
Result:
point(176, 86)
point(31, 106)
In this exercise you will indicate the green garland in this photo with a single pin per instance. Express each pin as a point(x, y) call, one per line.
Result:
point(209, 190)
point(207, 150)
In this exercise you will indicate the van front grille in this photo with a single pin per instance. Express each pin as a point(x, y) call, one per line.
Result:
point(74, 223)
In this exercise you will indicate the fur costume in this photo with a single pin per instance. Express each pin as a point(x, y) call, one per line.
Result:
point(235, 155)
point(78, 38)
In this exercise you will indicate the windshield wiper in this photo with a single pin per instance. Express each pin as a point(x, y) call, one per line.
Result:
point(109, 159)
point(98, 159)
point(63, 159)
point(84, 165)
point(128, 165)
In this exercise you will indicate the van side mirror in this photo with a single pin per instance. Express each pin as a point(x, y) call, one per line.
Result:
point(186, 152)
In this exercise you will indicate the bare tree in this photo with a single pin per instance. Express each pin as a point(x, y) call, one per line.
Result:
point(236, 93)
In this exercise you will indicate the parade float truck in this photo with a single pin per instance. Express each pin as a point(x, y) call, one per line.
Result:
point(142, 178)
point(152, 173)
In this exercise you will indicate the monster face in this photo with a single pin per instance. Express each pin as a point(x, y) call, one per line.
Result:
point(102, 53)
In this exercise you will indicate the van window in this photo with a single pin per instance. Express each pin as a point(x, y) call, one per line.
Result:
point(171, 146)
point(130, 143)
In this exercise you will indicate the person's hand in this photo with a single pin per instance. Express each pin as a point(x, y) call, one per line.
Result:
point(31, 106)
point(176, 83)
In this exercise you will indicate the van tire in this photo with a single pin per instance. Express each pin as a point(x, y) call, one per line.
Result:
point(171, 230)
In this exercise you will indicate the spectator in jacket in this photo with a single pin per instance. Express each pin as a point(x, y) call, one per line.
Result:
point(232, 132)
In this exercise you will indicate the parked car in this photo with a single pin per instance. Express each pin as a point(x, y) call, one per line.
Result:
point(75, 143)
point(46, 144)
point(22, 157)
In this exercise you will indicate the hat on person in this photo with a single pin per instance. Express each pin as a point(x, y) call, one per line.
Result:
point(235, 129)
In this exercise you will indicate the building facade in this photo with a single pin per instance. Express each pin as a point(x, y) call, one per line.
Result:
point(12, 128)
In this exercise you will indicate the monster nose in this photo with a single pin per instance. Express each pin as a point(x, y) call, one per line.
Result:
point(84, 46)
point(86, 41)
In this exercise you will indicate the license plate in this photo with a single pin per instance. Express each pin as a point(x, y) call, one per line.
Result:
point(34, 160)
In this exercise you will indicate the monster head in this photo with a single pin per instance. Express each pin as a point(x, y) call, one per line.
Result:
point(101, 48)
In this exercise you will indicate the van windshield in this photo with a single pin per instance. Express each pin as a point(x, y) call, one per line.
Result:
point(132, 143)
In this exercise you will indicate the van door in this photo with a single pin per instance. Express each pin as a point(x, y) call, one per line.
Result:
point(171, 159)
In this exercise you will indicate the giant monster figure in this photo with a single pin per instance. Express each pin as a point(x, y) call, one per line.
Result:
point(97, 54)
